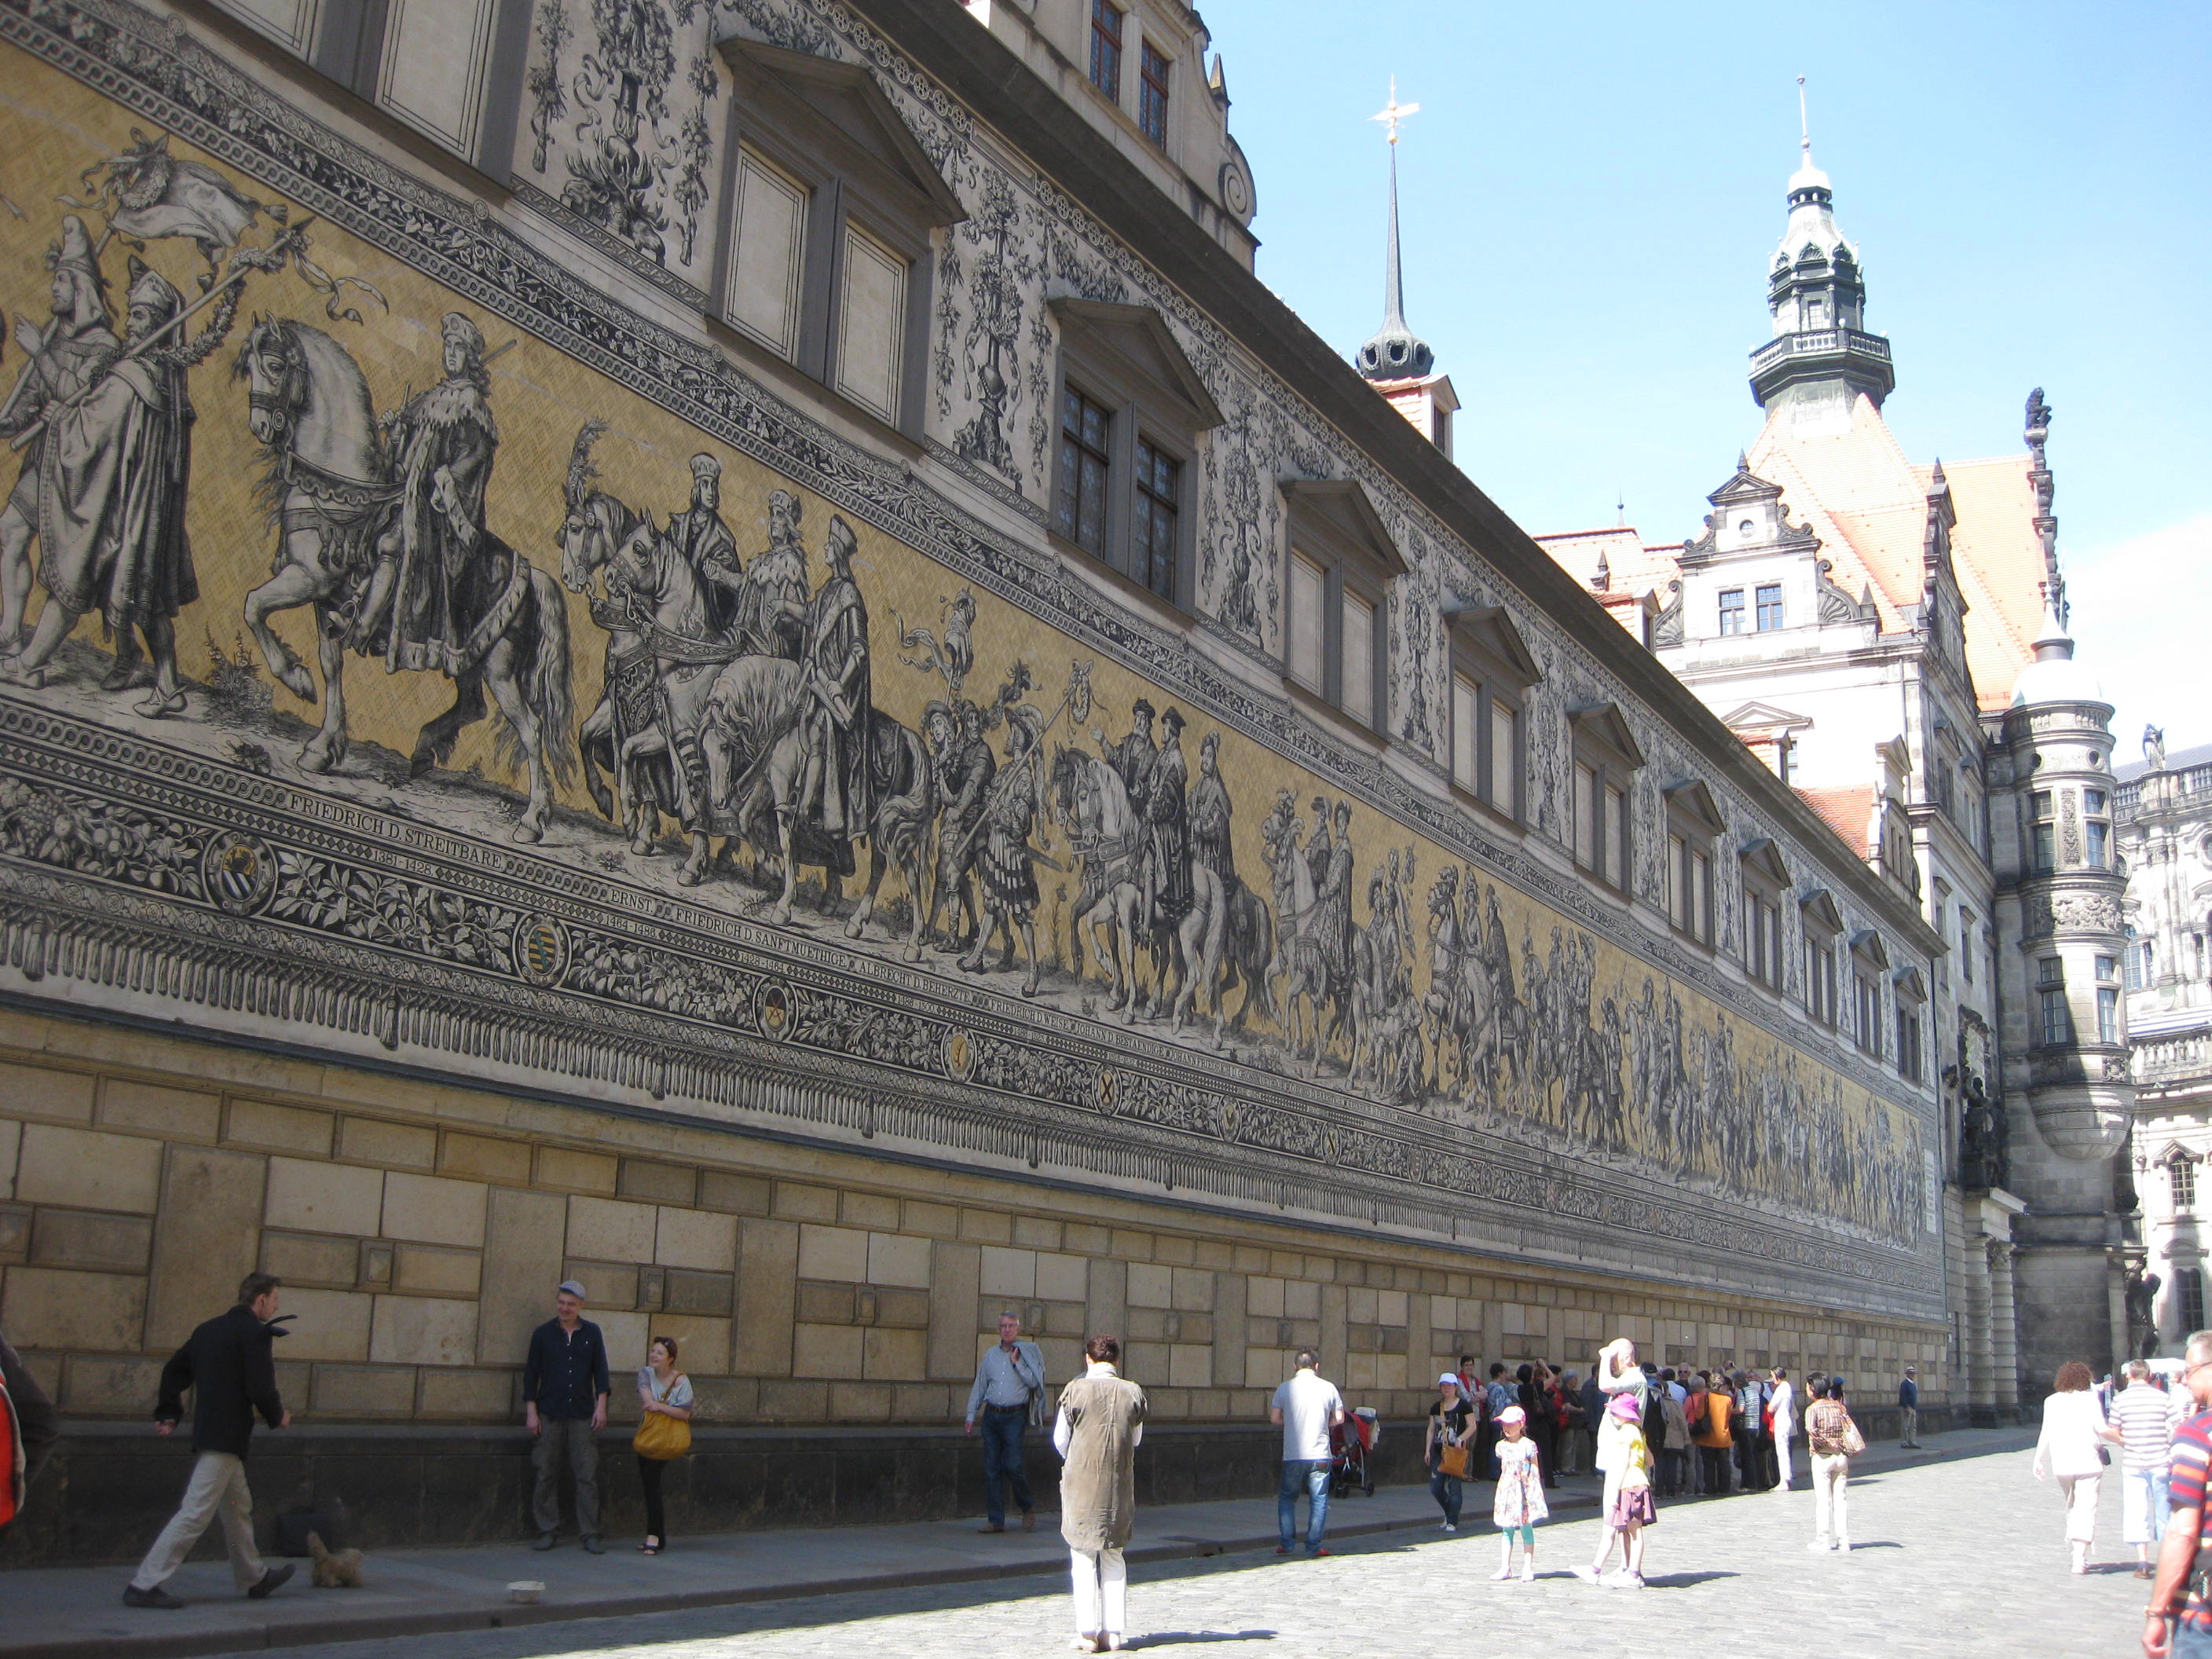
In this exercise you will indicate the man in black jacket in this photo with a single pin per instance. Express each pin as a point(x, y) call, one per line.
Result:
point(227, 1364)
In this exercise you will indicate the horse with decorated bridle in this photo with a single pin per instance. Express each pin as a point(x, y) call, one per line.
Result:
point(329, 490)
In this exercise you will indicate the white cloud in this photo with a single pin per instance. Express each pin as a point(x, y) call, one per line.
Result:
point(2140, 609)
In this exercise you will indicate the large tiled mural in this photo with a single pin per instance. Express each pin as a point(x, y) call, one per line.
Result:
point(416, 657)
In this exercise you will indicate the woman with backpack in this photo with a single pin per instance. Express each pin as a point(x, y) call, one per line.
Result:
point(1833, 1440)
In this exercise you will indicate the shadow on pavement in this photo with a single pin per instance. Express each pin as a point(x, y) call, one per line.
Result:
point(1683, 1580)
point(1171, 1637)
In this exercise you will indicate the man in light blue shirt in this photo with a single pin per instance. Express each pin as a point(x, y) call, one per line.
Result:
point(1305, 1408)
point(1008, 1383)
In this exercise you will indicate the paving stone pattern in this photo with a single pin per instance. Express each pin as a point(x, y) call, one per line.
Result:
point(1954, 1561)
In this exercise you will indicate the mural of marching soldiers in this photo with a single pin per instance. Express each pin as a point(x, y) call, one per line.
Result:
point(741, 721)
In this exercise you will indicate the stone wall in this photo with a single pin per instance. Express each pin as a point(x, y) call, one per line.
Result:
point(420, 1232)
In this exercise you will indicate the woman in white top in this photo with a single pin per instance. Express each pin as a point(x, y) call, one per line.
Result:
point(2074, 1427)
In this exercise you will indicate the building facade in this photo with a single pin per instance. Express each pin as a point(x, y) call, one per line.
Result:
point(1888, 639)
point(2162, 813)
point(734, 660)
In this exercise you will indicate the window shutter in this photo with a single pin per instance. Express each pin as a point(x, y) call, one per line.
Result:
point(771, 224)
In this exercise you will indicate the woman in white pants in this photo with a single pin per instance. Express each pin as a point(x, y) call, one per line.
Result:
point(1830, 1440)
point(1102, 1418)
point(2073, 1426)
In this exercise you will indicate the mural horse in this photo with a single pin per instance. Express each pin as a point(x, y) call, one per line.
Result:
point(330, 491)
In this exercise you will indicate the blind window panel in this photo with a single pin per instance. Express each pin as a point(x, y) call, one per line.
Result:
point(771, 229)
point(1465, 733)
point(1701, 894)
point(290, 23)
point(1358, 698)
point(1616, 832)
point(871, 325)
point(436, 54)
point(1308, 589)
point(1505, 762)
point(1588, 846)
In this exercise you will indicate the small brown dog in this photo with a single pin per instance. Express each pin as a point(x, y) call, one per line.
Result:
point(334, 1570)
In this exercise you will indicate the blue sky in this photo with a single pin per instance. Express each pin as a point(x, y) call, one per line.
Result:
point(1591, 194)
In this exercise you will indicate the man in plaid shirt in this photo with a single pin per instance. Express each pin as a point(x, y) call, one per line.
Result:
point(2177, 1624)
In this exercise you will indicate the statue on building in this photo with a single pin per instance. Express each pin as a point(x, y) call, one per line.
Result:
point(1981, 1139)
point(2153, 748)
point(2143, 1312)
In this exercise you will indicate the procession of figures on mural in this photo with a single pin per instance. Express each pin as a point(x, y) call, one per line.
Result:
point(1086, 854)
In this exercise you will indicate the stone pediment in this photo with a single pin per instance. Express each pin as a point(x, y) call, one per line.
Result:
point(1135, 338)
point(1765, 717)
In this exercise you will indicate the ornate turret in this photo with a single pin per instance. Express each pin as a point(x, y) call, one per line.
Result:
point(1820, 356)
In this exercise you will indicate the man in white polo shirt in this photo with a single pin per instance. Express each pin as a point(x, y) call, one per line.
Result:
point(1305, 1408)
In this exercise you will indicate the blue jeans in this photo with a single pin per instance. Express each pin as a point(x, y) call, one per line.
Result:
point(1314, 1479)
point(1445, 1489)
point(1002, 1460)
point(2191, 1643)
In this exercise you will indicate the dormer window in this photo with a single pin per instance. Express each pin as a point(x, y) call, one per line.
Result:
point(1607, 760)
point(1693, 821)
point(1131, 411)
point(1911, 1006)
point(1106, 48)
point(1764, 877)
point(826, 265)
point(1491, 673)
point(1869, 964)
point(1334, 602)
point(1822, 927)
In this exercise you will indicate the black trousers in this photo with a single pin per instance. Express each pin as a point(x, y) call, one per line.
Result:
point(649, 1474)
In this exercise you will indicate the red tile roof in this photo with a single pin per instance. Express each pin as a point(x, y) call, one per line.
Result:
point(1847, 812)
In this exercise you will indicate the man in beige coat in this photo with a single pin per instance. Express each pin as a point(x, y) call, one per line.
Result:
point(1102, 1418)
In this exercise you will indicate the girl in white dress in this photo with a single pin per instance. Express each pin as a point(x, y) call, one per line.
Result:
point(1520, 1503)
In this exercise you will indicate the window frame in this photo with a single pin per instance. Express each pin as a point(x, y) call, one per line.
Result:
point(1763, 880)
point(1602, 841)
point(1487, 651)
point(2097, 829)
point(1117, 43)
point(1758, 606)
point(1869, 967)
point(2043, 831)
point(1821, 926)
point(2181, 1182)
point(826, 126)
point(1334, 525)
point(1909, 997)
point(1123, 360)
point(1693, 829)
point(1155, 93)
point(1727, 613)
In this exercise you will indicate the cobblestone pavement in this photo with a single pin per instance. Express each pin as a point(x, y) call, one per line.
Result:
point(1958, 1559)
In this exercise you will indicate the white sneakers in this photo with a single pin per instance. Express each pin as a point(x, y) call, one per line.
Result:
point(1622, 1579)
point(1501, 1575)
point(1527, 1572)
point(1584, 1571)
point(1449, 1526)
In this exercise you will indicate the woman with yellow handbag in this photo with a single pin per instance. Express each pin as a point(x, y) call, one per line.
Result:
point(664, 1393)
point(1448, 1448)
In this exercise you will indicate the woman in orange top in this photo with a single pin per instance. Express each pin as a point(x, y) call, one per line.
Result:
point(1714, 1440)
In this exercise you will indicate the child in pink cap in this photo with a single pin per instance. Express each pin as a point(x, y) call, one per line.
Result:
point(1520, 1503)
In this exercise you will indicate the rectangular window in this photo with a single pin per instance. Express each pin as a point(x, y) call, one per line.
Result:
point(436, 54)
point(1678, 881)
point(2092, 801)
point(1308, 587)
point(1080, 512)
point(2051, 972)
point(770, 232)
point(290, 22)
point(1357, 697)
point(1701, 896)
point(1106, 49)
point(1820, 977)
point(1867, 1011)
point(2108, 1014)
point(1152, 98)
point(1590, 846)
point(2191, 1288)
point(1966, 945)
point(871, 325)
point(2045, 841)
point(2100, 833)
point(2182, 1173)
point(1466, 733)
point(1505, 758)
point(1159, 499)
point(1770, 605)
point(1732, 610)
point(1908, 1041)
point(2058, 1024)
point(1615, 869)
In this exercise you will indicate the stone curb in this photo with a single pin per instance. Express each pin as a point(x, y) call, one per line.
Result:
point(155, 1644)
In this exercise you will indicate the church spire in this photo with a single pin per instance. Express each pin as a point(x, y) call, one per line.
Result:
point(1396, 352)
point(1820, 359)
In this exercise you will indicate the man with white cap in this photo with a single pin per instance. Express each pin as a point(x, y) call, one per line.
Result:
point(564, 1403)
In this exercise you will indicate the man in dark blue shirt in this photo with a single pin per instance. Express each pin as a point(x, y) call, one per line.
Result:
point(1908, 1409)
point(564, 1402)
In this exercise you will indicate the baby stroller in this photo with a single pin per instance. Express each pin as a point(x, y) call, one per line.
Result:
point(1351, 1443)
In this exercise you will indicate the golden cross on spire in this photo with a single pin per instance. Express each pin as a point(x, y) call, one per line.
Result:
point(1396, 111)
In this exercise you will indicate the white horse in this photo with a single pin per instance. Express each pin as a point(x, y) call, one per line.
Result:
point(329, 488)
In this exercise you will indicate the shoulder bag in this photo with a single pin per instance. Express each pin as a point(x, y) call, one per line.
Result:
point(1854, 1442)
point(661, 1437)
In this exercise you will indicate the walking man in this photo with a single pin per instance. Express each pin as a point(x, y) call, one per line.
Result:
point(2177, 1621)
point(1305, 1408)
point(1009, 1390)
point(1908, 1410)
point(227, 1364)
point(2146, 1423)
point(564, 1404)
